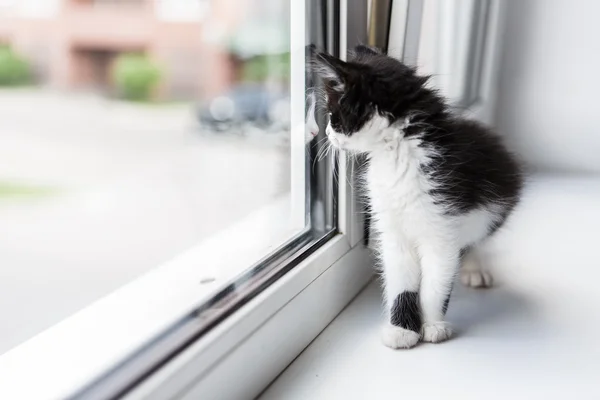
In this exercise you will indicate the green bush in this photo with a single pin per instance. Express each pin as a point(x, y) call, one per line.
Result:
point(14, 70)
point(264, 66)
point(136, 76)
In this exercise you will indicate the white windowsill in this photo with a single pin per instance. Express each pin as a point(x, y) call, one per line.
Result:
point(533, 336)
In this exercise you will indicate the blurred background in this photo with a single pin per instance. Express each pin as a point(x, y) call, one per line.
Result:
point(130, 130)
point(143, 50)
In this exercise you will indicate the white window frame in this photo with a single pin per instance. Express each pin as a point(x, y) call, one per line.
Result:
point(484, 108)
point(454, 34)
point(252, 347)
point(59, 362)
point(454, 37)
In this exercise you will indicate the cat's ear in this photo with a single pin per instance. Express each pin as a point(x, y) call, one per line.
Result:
point(310, 50)
point(334, 72)
point(362, 50)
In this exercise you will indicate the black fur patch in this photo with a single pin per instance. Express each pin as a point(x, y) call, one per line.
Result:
point(446, 302)
point(367, 225)
point(405, 312)
point(445, 306)
point(470, 165)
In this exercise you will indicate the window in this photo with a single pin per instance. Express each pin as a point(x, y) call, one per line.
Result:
point(161, 198)
point(112, 178)
point(457, 42)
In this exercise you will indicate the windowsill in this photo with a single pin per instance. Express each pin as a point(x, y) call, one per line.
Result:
point(534, 334)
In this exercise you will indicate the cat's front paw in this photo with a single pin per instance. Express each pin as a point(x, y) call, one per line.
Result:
point(436, 332)
point(399, 338)
point(476, 278)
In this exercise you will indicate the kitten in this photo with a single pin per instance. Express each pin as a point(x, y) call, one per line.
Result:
point(438, 185)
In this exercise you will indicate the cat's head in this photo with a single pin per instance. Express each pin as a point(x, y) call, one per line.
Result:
point(367, 97)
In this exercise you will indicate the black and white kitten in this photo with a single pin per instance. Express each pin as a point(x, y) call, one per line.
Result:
point(438, 185)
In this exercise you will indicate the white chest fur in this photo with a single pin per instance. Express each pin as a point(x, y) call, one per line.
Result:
point(403, 208)
point(399, 190)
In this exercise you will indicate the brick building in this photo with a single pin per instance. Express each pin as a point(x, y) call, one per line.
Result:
point(71, 44)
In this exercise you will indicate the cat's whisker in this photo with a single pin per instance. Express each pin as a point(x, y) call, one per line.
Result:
point(320, 151)
point(335, 160)
point(328, 147)
point(321, 140)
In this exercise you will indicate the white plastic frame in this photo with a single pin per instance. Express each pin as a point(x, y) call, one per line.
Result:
point(454, 38)
point(484, 108)
point(277, 325)
point(60, 361)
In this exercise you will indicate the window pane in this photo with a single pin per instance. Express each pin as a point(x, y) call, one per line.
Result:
point(452, 45)
point(180, 127)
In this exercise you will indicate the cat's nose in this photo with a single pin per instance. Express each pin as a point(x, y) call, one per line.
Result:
point(314, 133)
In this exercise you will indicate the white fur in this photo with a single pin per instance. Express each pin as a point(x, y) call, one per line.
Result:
point(398, 338)
point(436, 332)
point(419, 243)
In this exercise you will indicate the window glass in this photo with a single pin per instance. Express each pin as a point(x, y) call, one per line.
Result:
point(452, 46)
point(123, 148)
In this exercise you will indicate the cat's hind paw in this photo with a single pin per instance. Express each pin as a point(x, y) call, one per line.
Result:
point(436, 332)
point(476, 278)
point(396, 337)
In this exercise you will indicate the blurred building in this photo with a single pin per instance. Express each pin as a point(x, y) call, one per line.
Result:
point(72, 44)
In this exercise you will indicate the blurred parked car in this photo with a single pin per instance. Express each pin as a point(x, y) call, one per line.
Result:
point(246, 104)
